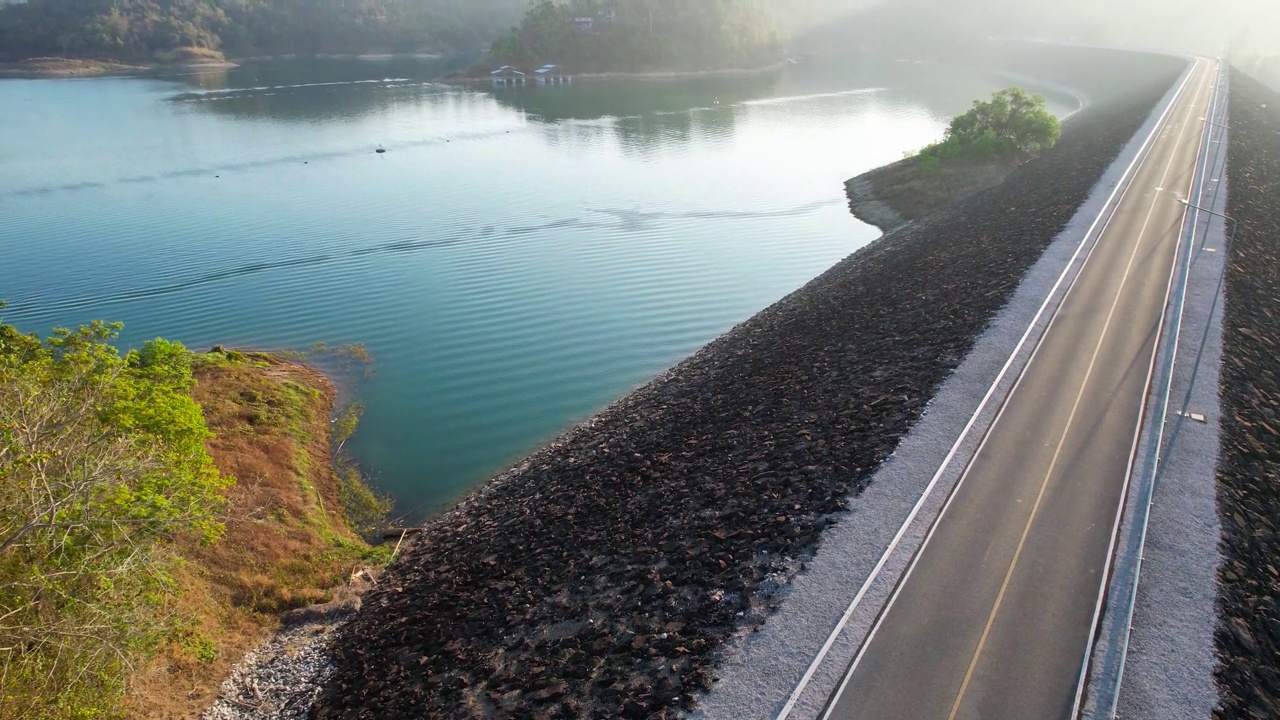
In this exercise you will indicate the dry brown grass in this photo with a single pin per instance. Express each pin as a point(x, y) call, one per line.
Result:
point(286, 543)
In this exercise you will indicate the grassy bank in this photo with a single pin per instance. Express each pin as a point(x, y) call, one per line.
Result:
point(159, 511)
point(287, 541)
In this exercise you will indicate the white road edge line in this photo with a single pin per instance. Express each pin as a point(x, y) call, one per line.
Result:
point(955, 490)
point(1197, 179)
point(1107, 207)
point(1111, 711)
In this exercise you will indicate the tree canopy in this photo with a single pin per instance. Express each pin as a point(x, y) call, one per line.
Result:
point(102, 460)
point(640, 35)
point(1012, 123)
point(141, 28)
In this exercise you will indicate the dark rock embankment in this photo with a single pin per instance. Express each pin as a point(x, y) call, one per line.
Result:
point(1248, 634)
point(866, 205)
point(889, 196)
point(600, 577)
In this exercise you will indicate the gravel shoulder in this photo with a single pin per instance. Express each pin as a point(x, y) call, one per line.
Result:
point(607, 574)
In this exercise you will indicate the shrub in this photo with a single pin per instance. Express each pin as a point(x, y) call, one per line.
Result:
point(929, 164)
point(102, 459)
point(1011, 123)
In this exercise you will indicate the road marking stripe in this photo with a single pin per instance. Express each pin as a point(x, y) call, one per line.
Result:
point(1066, 430)
point(1108, 208)
point(1133, 453)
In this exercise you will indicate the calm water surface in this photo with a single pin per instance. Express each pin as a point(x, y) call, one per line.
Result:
point(514, 261)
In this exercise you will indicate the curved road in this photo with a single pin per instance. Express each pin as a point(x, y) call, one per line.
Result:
point(994, 616)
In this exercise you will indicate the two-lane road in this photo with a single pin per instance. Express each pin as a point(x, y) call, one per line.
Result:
point(993, 618)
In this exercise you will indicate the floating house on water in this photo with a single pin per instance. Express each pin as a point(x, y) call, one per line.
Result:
point(552, 75)
point(507, 75)
point(545, 75)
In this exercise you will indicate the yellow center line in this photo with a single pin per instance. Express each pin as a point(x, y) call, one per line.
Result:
point(1044, 485)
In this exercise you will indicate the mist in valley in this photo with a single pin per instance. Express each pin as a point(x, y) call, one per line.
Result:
point(1248, 31)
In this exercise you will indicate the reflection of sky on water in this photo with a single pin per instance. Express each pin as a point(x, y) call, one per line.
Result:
point(517, 259)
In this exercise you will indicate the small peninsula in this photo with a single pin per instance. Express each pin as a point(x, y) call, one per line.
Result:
point(187, 58)
point(981, 148)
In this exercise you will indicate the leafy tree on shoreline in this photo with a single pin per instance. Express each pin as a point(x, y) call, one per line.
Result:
point(1012, 124)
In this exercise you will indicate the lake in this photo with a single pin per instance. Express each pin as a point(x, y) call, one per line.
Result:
point(514, 261)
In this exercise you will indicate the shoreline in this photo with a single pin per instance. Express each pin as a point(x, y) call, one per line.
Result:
point(654, 76)
point(64, 68)
point(610, 571)
point(366, 57)
point(867, 206)
point(285, 561)
point(892, 195)
point(685, 74)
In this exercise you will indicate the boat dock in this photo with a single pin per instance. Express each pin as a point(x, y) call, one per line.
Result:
point(550, 74)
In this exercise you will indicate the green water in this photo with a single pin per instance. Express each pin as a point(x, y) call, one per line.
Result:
point(516, 260)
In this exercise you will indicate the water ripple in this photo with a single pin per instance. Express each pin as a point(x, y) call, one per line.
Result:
point(218, 93)
point(249, 165)
point(627, 221)
point(812, 96)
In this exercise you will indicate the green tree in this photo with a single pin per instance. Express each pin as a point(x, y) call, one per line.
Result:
point(137, 29)
point(640, 35)
point(102, 459)
point(1012, 123)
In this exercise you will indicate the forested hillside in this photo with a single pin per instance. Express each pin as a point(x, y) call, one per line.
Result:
point(140, 28)
point(640, 35)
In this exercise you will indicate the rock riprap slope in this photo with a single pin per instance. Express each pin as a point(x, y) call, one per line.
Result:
point(600, 577)
point(1249, 465)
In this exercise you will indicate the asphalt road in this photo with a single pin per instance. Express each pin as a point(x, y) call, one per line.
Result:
point(993, 618)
